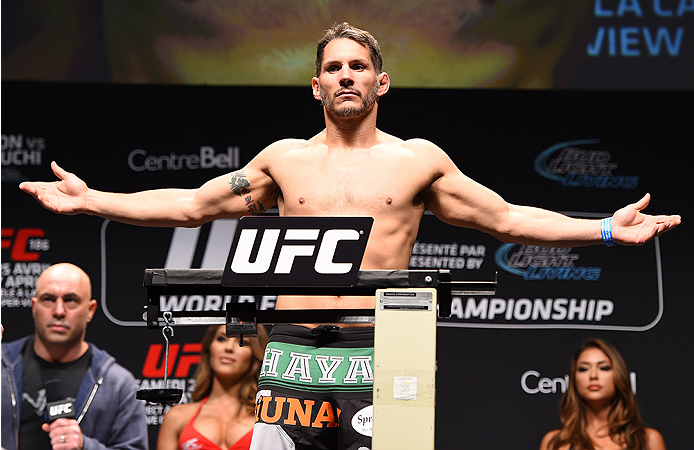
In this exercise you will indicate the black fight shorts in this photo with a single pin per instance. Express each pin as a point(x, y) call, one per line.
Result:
point(315, 389)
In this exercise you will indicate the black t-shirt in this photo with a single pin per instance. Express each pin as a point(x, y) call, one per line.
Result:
point(35, 373)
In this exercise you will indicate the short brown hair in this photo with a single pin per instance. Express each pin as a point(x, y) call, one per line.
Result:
point(346, 31)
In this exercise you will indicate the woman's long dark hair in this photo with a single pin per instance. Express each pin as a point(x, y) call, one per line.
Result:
point(624, 421)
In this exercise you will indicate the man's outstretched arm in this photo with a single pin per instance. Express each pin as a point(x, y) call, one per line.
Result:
point(244, 192)
point(627, 226)
point(460, 201)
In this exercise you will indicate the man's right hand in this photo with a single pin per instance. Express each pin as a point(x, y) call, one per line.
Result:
point(67, 196)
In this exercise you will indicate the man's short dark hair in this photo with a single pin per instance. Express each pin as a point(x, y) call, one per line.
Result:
point(346, 31)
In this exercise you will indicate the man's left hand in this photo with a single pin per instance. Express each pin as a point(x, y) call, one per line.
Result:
point(65, 434)
point(631, 227)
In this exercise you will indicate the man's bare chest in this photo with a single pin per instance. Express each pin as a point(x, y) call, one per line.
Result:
point(367, 183)
point(345, 192)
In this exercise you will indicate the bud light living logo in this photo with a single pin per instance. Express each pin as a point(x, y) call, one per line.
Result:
point(533, 262)
point(578, 164)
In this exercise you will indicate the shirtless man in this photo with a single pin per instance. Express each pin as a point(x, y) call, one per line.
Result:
point(351, 168)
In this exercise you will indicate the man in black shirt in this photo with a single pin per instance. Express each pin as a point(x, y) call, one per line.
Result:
point(100, 394)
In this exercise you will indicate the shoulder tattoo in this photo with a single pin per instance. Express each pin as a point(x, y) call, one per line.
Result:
point(241, 187)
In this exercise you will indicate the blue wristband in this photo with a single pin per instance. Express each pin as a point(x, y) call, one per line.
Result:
point(606, 231)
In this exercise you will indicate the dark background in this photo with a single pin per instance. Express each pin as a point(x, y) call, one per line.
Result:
point(87, 83)
point(492, 135)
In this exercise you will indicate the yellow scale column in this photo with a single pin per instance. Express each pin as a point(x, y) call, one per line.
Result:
point(404, 369)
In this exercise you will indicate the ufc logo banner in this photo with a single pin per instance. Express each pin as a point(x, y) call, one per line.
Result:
point(297, 251)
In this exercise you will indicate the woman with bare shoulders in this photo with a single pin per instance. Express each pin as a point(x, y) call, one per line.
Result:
point(221, 415)
point(598, 409)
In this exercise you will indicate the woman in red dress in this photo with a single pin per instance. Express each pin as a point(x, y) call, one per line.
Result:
point(221, 415)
